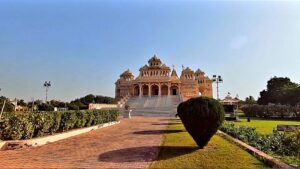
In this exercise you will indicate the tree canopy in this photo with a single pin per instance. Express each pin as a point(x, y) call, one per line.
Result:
point(77, 104)
point(280, 90)
point(83, 103)
point(8, 106)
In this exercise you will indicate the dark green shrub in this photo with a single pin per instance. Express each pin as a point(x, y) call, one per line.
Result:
point(16, 126)
point(98, 117)
point(201, 117)
point(90, 118)
point(82, 117)
point(46, 123)
point(27, 125)
point(272, 111)
point(57, 121)
point(68, 120)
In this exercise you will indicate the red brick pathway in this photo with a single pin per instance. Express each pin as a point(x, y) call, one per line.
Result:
point(131, 144)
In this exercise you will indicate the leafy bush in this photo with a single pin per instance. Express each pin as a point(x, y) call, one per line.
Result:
point(68, 120)
point(272, 111)
point(280, 143)
point(14, 126)
point(201, 117)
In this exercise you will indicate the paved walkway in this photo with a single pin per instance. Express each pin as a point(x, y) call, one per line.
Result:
point(131, 144)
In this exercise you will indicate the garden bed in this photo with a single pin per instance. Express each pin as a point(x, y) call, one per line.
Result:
point(17, 144)
point(285, 146)
point(28, 125)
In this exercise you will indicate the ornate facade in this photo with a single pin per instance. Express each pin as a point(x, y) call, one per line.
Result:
point(157, 79)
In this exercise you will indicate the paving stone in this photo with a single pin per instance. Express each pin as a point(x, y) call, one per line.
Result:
point(118, 146)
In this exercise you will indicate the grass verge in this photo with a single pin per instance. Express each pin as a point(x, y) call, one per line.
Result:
point(179, 150)
point(264, 126)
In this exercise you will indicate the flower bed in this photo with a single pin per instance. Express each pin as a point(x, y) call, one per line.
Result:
point(281, 144)
point(15, 126)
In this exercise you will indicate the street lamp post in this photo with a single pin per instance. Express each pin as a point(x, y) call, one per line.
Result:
point(217, 79)
point(2, 109)
point(47, 85)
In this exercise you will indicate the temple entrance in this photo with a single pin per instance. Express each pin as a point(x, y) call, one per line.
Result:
point(164, 90)
point(154, 90)
point(174, 90)
point(136, 90)
point(145, 90)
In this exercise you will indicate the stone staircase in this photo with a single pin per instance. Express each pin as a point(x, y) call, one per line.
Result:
point(154, 105)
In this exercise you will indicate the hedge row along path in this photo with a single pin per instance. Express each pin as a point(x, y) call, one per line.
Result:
point(134, 143)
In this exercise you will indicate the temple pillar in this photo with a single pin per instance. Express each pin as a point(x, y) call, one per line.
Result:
point(169, 88)
point(140, 88)
point(159, 90)
point(149, 90)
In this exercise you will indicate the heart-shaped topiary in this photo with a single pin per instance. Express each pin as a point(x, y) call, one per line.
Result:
point(201, 117)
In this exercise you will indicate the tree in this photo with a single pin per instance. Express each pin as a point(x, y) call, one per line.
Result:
point(45, 107)
point(56, 103)
point(83, 103)
point(250, 100)
point(8, 106)
point(22, 103)
point(278, 88)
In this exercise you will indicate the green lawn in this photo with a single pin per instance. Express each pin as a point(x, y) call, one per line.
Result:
point(264, 126)
point(180, 151)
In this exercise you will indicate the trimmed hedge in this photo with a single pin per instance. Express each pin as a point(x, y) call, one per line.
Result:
point(272, 111)
point(15, 126)
point(201, 116)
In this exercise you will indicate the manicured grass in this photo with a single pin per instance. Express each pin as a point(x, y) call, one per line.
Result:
point(180, 151)
point(264, 126)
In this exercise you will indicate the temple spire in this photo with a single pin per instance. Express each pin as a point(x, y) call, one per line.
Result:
point(174, 73)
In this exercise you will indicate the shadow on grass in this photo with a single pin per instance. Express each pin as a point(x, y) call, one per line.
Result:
point(157, 132)
point(144, 154)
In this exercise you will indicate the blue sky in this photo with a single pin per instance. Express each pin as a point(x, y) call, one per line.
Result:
point(83, 46)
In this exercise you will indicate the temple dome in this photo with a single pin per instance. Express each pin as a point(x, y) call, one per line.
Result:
point(126, 73)
point(187, 70)
point(198, 71)
point(154, 61)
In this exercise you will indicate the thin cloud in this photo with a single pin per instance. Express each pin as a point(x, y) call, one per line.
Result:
point(238, 42)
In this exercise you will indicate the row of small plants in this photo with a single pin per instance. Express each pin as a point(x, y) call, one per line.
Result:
point(272, 111)
point(278, 143)
point(15, 126)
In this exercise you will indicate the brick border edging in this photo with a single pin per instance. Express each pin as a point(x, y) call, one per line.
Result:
point(16, 144)
point(269, 160)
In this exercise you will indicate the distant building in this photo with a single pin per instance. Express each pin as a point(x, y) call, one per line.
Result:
point(95, 106)
point(157, 79)
point(18, 108)
point(230, 105)
point(60, 109)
